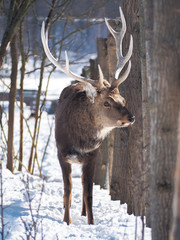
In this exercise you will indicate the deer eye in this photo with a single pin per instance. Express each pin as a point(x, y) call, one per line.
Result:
point(106, 104)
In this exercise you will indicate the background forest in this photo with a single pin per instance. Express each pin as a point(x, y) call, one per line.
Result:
point(140, 165)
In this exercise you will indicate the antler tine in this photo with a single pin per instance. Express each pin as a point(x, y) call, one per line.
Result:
point(124, 60)
point(121, 60)
point(65, 69)
point(101, 79)
point(118, 36)
point(123, 77)
point(67, 60)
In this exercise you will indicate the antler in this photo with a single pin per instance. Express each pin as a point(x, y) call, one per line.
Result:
point(44, 36)
point(121, 61)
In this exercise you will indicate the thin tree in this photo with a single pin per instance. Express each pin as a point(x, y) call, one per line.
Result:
point(17, 9)
point(23, 63)
point(49, 18)
point(14, 59)
point(14, 19)
point(12, 96)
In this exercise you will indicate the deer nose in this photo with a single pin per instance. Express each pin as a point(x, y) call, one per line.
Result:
point(131, 119)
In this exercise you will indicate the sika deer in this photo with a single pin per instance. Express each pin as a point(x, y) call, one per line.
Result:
point(86, 113)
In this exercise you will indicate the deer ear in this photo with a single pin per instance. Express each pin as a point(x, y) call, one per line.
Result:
point(81, 95)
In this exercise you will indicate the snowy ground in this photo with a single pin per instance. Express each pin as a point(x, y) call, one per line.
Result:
point(111, 218)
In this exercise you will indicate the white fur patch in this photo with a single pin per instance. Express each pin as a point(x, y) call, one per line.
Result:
point(87, 150)
point(104, 132)
point(72, 159)
point(91, 91)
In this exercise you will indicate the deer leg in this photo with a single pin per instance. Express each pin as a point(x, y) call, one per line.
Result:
point(87, 181)
point(83, 213)
point(66, 170)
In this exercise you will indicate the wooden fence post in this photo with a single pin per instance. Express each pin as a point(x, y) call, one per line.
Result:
point(112, 61)
point(118, 139)
point(102, 162)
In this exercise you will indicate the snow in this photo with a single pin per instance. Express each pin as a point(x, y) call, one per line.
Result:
point(111, 218)
point(43, 215)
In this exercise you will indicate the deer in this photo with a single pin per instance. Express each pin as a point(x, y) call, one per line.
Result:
point(88, 110)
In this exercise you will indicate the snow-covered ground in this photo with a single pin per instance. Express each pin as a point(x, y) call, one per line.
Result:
point(36, 205)
point(111, 218)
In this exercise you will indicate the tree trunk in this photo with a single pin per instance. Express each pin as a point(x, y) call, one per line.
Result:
point(164, 100)
point(21, 97)
point(133, 96)
point(34, 140)
point(12, 93)
point(12, 96)
point(33, 146)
